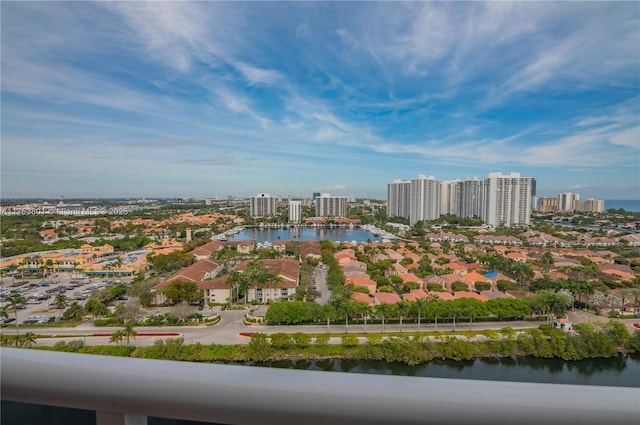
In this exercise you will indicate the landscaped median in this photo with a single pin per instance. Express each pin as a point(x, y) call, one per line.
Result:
point(159, 334)
point(588, 340)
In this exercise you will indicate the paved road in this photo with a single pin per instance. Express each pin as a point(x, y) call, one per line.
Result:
point(580, 316)
point(321, 286)
point(228, 330)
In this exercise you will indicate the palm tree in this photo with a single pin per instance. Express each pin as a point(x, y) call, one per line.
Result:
point(60, 302)
point(116, 265)
point(3, 312)
point(454, 309)
point(403, 308)
point(363, 310)
point(21, 266)
point(258, 273)
point(129, 332)
point(14, 301)
point(106, 268)
point(421, 306)
point(97, 308)
point(117, 337)
point(75, 312)
point(49, 266)
point(384, 311)
point(330, 314)
point(235, 280)
point(28, 340)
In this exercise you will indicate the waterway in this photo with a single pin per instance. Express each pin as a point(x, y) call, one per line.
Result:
point(621, 371)
point(304, 234)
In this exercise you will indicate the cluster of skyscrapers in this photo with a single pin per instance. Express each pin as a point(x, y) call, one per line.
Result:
point(263, 205)
point(497, 200)
point(570, 202)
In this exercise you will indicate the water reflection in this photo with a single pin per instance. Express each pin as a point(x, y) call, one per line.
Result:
point(621, 371)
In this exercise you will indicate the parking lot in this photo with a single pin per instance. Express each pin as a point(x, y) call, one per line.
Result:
point(39, 295)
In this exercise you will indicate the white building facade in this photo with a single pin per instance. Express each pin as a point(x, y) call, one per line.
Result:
point(398, 198)
point(331, 206)
point(449, 197)
point(262, 205)
point(508, 199)
point(471, 203)
point(567, 201)
point(425, 199)
point(295, 211)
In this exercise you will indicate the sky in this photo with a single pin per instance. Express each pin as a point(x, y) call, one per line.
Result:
point(207, 99)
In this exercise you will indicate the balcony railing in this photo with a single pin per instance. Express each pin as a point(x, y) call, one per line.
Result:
point(127, 391)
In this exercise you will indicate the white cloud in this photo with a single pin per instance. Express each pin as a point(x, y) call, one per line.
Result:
point(257, 75)
point(629, 137)
point(337, 188)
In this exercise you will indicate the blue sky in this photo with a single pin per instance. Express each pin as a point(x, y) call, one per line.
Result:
point(213, 98)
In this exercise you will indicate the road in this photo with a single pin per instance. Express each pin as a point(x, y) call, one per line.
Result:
point(230, 326)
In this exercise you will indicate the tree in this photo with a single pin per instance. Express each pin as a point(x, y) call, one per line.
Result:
point(96, 308)
point(453, 309)
point(385, 311)
point(28, 340)
point(459, 286)
point(74, 312)
point(420, 306)
point(14, 301)
point(117, 337)
point(473, 308)
point(506, 285)
point(482, 286)
point(60, 302)
point(259, 348)
point(182, 291)
point(550, 303)
point(261, 276)
point(363, 310)
point(128, 332)
point(547, 258)
point(409, 286)
point(329, 313)
point(403, 309)
point(238, 281)
point(508, 308)
point(436, 309)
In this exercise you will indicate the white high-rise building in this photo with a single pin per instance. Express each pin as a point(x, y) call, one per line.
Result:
point(507, 199)
point(425, 199)
point(262, 205)
point(398, 198)
point(449, 196)
point(567, 201)
point(471, 202)
point(295, 211)
point(331, 206)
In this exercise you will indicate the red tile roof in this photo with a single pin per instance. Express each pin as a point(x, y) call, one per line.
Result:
point(360, 297)
point(387, 298)
point(415, 294)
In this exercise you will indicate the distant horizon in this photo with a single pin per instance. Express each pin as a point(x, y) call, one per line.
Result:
point(219, 198)
point(166, 99)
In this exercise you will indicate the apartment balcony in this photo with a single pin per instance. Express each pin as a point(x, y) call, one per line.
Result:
point(126, 391)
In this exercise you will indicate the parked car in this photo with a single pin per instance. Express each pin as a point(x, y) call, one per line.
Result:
point(9, 319)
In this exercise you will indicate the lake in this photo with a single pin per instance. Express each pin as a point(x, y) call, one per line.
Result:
point(621, 371)
point(304, 234)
